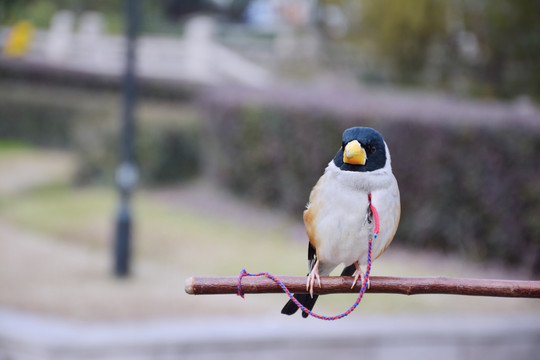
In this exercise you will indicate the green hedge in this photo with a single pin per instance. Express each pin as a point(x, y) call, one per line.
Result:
point(36, 124)
point(166, 151)
point(87, 122)
point(468, 172)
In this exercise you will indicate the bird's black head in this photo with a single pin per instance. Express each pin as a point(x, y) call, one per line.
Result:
point(362, 149)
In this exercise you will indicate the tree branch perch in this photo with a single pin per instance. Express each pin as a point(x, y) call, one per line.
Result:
point(378, 284)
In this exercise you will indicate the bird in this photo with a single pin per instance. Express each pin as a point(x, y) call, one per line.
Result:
point(337, 214)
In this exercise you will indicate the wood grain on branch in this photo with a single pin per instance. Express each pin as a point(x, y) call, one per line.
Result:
point(378, 284)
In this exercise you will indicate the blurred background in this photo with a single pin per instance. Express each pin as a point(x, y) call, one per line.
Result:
point(239, 105)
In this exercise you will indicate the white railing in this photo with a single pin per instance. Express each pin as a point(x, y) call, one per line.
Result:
point(194, 58)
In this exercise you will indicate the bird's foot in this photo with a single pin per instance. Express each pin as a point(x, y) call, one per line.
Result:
point(358, 274)
point(314, 274)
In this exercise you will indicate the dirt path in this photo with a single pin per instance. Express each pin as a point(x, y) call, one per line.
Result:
point(45, 275)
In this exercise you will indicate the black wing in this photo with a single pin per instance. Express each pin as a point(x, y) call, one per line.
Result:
point(305, 299)
point(311, 256)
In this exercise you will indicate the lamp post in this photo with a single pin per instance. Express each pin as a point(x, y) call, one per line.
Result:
point(127, 174)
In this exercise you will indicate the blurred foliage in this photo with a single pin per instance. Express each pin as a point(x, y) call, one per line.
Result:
point(36, 124)
point(40, 12)
point(509, 36)
point(401, 32)
point(88, 123)
point(469, 183)
point(482, 47)
point(166, 143)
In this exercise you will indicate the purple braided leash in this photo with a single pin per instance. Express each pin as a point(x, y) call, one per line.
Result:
point(302, 307)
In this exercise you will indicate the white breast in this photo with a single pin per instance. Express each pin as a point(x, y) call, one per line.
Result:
point(341, 198)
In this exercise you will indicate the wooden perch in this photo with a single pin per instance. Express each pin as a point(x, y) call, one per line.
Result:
point(378, 284)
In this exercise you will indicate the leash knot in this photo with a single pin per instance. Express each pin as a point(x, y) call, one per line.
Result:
point(243, 273)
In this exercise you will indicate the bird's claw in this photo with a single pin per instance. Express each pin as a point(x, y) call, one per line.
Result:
point(311, 281)
point(358, 274)
point(314, 274)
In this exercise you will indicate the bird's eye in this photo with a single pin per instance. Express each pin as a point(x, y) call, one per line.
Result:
point(372, 149)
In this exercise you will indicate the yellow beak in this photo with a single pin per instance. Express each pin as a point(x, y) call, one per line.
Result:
point(354, 153)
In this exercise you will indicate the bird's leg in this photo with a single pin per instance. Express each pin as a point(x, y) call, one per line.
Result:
point(357, 273)
point(314, 274)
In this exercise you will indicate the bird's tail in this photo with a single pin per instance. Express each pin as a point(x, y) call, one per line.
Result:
point(307, 301)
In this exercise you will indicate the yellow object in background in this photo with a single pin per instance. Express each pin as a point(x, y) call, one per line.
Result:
point(19, 39)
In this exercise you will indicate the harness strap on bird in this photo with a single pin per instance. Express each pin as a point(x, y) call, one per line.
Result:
point(365, 284)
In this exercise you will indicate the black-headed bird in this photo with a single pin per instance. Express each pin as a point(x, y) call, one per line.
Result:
point(337, 213)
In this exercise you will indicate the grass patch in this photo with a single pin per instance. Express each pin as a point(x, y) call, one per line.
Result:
point(13, 147)
point(204, 244)
point(60, 211)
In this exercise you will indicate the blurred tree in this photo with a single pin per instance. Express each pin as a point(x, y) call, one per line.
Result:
point(509, 36)
point(40, 12)
point(400, 33)
point(492, 46)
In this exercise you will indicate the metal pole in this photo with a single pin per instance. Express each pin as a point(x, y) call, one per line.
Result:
point(126, 175)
